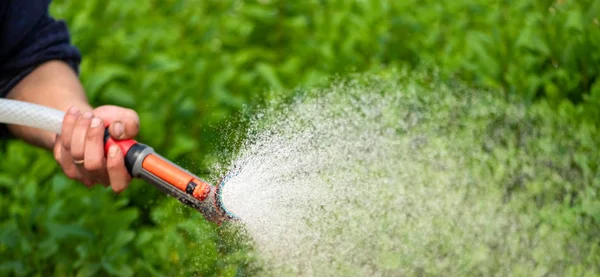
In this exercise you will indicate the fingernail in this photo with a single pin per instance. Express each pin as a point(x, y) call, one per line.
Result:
point(119, 130)
point(113, 150)
point(95, 122)
point(74, 110)
point(87, 115)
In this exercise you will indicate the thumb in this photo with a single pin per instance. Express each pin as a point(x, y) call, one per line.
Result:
point(122, 123)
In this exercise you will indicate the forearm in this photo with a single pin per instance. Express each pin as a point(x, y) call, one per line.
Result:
point(53, 84)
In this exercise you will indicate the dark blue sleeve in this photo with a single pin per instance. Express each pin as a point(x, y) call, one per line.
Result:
point(29, 36)
point(48, 40)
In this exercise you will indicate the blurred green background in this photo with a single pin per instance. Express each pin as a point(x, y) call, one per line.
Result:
point(193, 68)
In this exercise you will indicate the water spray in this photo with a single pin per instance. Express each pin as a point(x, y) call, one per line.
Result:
point(141, 161)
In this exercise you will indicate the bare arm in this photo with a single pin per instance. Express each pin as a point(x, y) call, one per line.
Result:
point(55, 85)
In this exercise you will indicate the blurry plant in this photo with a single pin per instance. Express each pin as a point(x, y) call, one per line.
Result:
point(209, 59)
point(189, 66)
point(540, 159)
point(51, 226)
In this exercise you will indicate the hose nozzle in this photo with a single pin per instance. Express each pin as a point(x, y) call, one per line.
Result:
point(142, 162)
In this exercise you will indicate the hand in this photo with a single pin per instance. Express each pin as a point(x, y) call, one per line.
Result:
point(79, 149)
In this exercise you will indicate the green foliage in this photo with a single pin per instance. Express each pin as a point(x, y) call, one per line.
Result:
point(541, 162)
point(188, 67)
point(210, 59)
point(543, 158)
point(54, 227)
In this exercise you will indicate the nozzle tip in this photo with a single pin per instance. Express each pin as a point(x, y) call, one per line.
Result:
point(219, 200)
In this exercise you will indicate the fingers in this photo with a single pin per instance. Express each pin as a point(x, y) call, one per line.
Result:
point(64, 159)
point(94, 161)
point(124, 123)
point(126, 129)
point(82, 139)
point(71, 170)
point(117, 130)
point(79, 136)
point(117, 173)
point(67, 127)
point(132, 128)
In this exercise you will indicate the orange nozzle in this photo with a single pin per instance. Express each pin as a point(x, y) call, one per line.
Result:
point(201, 190)
point(176, 177)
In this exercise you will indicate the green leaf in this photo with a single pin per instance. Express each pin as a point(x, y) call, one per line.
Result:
point(532, 39)
point(592, 209)
point(118, 269)
point(117, 94)
point(269, 75)
point(15, 267)
point(71, 231)
point(122, 239)
point(6, 180)
point(552, 91)
point(574, 21)
point(103, 75)
point(164, 63)
point(88, 270)
point(47, 248)
point(182, 144)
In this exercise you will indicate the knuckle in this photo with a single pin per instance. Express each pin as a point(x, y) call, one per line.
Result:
point(71, 173)
point(68, 121)
point(130, 113)
point(119, 184)
point(91, 134)
point(76, 154)
point(94, 133)
point(81, 127)
point(117, 188)
point(88, 181)
point(93, 165)
point(66, 143)
point(114, 164)
point(82, 121)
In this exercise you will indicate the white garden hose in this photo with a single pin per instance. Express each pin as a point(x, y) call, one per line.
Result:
point(31, 115)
